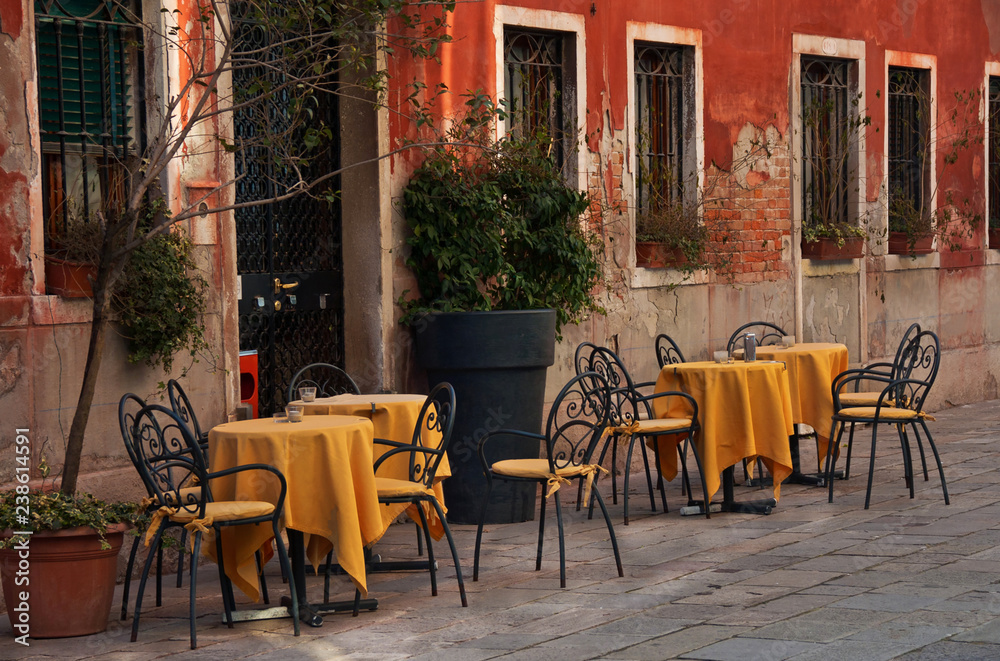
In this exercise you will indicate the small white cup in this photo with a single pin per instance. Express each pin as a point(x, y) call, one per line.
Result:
point(307, 393)
point(788, 340)
point(280, 417)
point(294, 412)
point(721, 356)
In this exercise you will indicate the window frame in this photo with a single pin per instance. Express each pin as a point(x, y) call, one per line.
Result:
point(992, 74)
point(694, 132)
point(922, 133)
point(572, 27)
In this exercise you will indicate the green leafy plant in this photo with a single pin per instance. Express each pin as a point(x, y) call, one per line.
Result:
point(495, 226)
point(57, 511)
point(839, 232)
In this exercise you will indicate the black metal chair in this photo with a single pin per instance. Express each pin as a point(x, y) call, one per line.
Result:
point(631, 418)
point(899, 403)
point(328, 379)
point(766, 332)
point(667, 351)
point(900, 366)
point(181, 405)
point(172, 464)
point(437, 417)
point(576, 420)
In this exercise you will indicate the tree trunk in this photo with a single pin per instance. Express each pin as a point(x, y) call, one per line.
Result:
point(95, 355)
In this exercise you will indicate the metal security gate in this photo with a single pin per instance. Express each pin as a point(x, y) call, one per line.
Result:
point(289, 259)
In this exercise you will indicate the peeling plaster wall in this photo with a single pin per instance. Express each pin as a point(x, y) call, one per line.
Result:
point(747, 87)
point(43, 339)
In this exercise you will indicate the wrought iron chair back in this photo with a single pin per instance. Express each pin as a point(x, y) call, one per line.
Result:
point(667, 351)
point(181, 405)
point(329, 381)
point(767, 334)
point(576, 420)
point(623, 401)
point(582, 357)
point(128, 409)
point(436, 415)
point(918, 369)
point(170, 459)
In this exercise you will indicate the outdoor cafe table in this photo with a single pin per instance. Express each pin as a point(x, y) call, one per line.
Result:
point(812, 367)
point(331, 499)
point(394, 417)
point(745, 412)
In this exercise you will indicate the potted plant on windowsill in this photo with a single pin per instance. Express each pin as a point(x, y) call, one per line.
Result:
point(829, 241)
point(911, 228)
point(59, 581)
point(669, 236)
point(502, 262)
point(71, 261)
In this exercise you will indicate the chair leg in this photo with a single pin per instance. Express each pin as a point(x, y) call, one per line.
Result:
point(904, 441)
point(836, 432)
point(649, 475)
point(611, 532)
point(937, 460)
point(562, 541)
point(128, 576)
point(194, 586)
point(479, 529)
point(625, 478)
point(326, 578)
point(142, 583)
point(659, 474)
point(259, 560)
point(159, 573)
point(228, 603)
point(850, 446)
point(286, 569)
point(541, 530)
point(430, 550)
point(871, 466)
point(420, 541)
point(923, 457)
point(454, 551)
point(613, 441)
point(180, 565)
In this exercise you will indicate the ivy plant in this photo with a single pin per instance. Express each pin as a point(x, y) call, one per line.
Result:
point(57, 511)
point(495, 226)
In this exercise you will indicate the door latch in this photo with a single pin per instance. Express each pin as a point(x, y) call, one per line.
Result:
point(279, 285)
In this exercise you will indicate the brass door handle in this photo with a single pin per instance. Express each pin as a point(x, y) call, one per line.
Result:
point(279, 285)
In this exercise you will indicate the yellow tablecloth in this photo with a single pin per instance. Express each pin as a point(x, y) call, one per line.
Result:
point(394, 417)
point(327, 464)
point(812, 367)
point(744, 410)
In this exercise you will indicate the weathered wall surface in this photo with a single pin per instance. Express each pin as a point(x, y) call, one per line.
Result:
point(748, 58)
point(43, 339)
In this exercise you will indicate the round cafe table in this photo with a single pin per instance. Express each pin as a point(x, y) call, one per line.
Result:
point(394, 417)
point(812, 367)
point(331, 497)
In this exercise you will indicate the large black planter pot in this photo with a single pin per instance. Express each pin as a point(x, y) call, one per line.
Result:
point(496, 362)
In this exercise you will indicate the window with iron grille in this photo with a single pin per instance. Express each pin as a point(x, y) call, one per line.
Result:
point(539, 89)
point(829, 140)
point(994, 147)
point(907, 126)
point(661, 114)
point(88, 52)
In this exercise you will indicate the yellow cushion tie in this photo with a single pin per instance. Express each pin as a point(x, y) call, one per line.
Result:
point(624, 432)
point(158, 517)
point(555, 482)
point(587, 471)
point(198, 525)
point(147, 502)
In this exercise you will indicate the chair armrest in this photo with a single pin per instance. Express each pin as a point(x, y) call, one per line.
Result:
point(385, 441)
point(648, 399)
point(256, 467)
point(404, 448)
point(490, 435)
point(856, 376)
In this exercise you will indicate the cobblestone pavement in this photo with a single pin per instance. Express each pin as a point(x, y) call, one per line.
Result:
point(906, 579)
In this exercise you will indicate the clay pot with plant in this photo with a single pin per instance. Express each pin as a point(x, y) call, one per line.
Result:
point(669, 235)
point(911, 227)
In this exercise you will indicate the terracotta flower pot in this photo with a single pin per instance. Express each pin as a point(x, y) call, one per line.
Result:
point(653, 255)
point(68, 279)
point(899, 244)
point(828, 248)
point(70, 582)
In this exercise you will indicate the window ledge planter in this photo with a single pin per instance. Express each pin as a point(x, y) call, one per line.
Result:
point(899, 244)
point(828, 248)
point(68, 279)
point(653, 255)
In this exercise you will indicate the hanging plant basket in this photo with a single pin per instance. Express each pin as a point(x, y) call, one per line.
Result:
point(652, 255)
point(68, 279)
point(899, 244)
point(829, 248)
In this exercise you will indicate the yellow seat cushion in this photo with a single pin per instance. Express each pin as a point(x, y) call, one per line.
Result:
point(884, 414)
point(535, 469)
point(389, 487)
point(228, 510)
point(656, 425)
point(861, 399)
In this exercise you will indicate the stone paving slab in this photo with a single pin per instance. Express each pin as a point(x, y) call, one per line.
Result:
point(906, 579)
